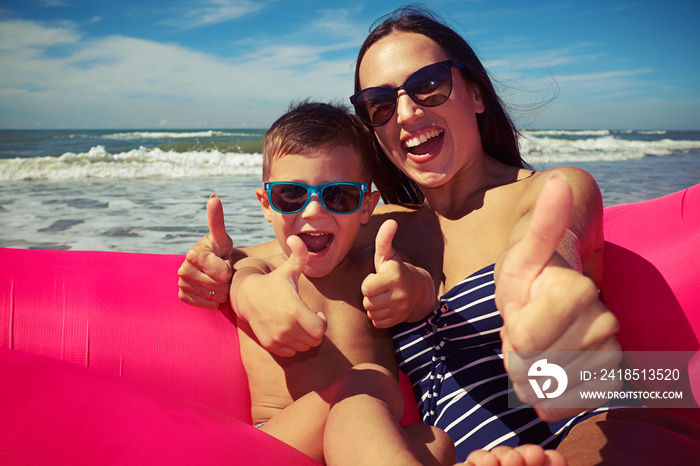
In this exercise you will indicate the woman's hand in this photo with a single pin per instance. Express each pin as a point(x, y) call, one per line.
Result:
point(547, 306)
point(205, 275)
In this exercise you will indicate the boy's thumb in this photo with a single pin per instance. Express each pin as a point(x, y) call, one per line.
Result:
point(384, 248)
point(298, 258)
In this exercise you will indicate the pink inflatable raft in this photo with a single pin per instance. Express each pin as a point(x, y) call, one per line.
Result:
point(100, 363)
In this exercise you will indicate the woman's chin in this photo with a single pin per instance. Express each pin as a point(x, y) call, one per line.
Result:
point(428, 180)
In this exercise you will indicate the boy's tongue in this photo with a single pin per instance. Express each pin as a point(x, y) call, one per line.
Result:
point(316, 242)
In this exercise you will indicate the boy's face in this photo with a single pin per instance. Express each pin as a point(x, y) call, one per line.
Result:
point(328, 236)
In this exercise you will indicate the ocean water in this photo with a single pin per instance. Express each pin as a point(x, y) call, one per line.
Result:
point(146, 191)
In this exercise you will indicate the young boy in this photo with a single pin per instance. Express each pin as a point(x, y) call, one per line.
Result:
point(337, 399)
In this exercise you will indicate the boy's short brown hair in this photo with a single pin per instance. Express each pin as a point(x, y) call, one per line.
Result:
point(308, 126)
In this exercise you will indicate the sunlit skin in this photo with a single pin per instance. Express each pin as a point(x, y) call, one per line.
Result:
point(315, 219)
point(458, 148)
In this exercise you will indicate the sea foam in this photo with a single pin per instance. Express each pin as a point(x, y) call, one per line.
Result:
point(136, 163)
point(544, 147)
point(130, 135)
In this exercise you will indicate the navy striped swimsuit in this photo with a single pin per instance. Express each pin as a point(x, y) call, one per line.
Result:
point(453, 360)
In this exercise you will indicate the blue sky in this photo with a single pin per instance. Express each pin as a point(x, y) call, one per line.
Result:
point(238, 63)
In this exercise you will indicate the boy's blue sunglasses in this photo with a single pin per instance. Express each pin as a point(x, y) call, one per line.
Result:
point(287, 197)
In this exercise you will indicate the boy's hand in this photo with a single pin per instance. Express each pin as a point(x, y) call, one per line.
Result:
point(281, 321)
point(206, 272)
point(547, 306)
point(397, 288)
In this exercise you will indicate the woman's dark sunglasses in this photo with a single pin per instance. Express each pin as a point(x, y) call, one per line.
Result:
point(430, 86)
point(287, 197)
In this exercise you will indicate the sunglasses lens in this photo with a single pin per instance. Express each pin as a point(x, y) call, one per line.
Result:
point(430, 86)
point(376, 105)
point(288, 197)
point(342, 198)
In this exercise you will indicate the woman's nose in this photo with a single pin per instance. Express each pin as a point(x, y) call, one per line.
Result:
point(406, 109)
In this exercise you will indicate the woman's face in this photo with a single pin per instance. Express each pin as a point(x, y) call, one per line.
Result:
point(429, 144)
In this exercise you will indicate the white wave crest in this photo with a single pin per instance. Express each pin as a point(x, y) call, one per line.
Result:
point(606, 148)
point(136, 163)
point(563, 132)
point(173, 134)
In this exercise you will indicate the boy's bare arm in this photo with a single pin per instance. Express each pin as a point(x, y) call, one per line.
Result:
point(398, 291)
point(267, 297)
point(244, 269)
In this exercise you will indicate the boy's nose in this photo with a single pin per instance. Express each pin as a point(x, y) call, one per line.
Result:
point(315, 208)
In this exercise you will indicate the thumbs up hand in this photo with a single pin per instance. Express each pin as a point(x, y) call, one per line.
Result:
point(281, 321)
point(205, 274)
point(293, 267)
point(545, 304)
point(397, 291)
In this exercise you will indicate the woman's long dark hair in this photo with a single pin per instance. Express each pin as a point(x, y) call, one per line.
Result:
point(499, 137)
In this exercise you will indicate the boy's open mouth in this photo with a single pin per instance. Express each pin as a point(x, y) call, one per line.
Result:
point(316, 242)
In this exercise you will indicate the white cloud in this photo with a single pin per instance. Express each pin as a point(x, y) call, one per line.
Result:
point(56, 3)
point(641, 113)
point(604, 75)
point(19, 35)
point(124, 81)
point(217, 11)
point(609, 85)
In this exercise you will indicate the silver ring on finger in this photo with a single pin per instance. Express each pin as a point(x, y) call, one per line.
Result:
point(210, 296)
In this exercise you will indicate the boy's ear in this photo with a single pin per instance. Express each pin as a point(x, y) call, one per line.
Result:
point(264, 203)
point(368, 205)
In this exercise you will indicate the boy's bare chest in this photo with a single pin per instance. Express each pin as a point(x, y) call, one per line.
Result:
point(350, 339)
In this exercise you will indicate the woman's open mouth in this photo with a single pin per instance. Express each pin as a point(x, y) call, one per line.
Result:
point(425, 142)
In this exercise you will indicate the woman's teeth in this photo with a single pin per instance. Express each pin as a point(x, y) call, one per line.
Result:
point(418, 140)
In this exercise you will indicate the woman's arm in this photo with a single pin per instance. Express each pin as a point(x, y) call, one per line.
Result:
point(546, 303)
point(582, 243)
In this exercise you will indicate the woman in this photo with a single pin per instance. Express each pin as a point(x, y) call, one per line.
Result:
point(445, 142)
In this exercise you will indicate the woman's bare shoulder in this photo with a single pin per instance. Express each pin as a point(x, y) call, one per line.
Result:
point(402, 213)
point(578, 178)
point(587, 213)
point(582, 183)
